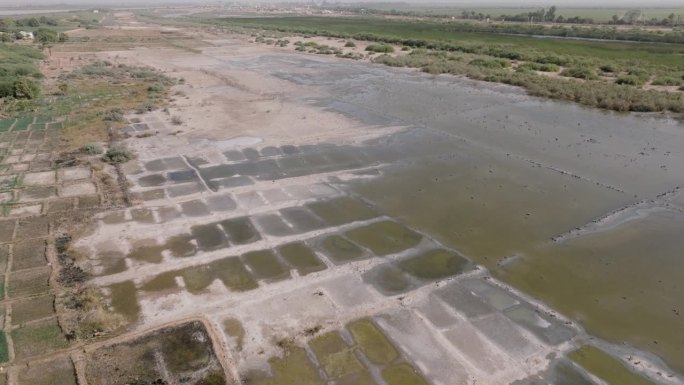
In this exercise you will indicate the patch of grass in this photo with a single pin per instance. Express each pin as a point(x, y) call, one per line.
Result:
point(579, 73)
point(610, 68)
point(490, 63)
point(543, 67)
point(38, 338)
point(59, 371)
point(32, 309)
point(186, 350)
point(667, 81)
point(4, 349)
point(630, 80)
point(372, 342)
point(380, 48)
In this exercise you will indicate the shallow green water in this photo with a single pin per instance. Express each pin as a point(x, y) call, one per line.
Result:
point(384, 238)
point(301, 258)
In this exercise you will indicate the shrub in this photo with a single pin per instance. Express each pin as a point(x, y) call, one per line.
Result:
point(490, 63)
point(114, 115)
point(146, 107)
point(117, 155)
point(176, 120)
point(579, 73)
point(92, 149)
point(638, 72)
point(543, 67)
point(350, 44)
point(380, 48)
point(608, 68)
point(156, 88)
point(557, 60)
point(26, 89)
point(666, 81)
point(630, 80)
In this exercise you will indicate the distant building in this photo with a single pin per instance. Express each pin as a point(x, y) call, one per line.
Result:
point(25, 35)
point(96, 11)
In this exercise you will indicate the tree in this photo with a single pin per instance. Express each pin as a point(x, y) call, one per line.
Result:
point(671, 19)
point(25, 88)
point(45, 36)
point(551, 13)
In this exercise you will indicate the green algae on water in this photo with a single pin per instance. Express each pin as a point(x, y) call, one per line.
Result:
point(233, 274)
point(434, 264)
point(197, 278)
point(294, 369)
point(384, 238)
point(377, 348)
point(388, 279)
point(340, 249)
point(342, 210)
point(602, 365)
point(181, 246)
point(402, 374)
point(124, 300)
point(336, 357)
point(234, 329)
point(265, 265)
point(162, 282)
point(301, 258)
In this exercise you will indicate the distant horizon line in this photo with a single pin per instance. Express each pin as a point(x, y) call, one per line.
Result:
point(38, 4)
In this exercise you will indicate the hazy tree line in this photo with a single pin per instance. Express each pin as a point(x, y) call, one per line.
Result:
point(541, 15)
point(11, 29)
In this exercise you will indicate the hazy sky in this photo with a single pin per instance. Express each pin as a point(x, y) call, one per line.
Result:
point(460, 3)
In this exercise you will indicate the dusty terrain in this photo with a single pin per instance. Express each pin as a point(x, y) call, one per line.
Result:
point(293, 206)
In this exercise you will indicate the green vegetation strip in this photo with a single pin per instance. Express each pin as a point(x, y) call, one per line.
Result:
point(607, 368)
point(604, 74)
point(4, 350)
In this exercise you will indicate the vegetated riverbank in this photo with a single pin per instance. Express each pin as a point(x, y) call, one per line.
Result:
point(609, 75)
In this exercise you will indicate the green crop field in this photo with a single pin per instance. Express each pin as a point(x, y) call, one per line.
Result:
point(598, 14)
point(651, 54)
